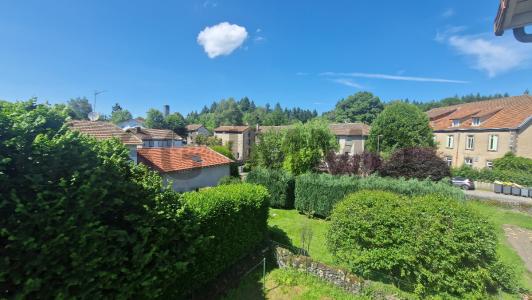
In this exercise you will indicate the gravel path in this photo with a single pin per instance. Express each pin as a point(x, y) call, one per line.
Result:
point(521, 241)
point(485, 195)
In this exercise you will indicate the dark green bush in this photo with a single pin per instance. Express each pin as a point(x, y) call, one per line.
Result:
point(279, 183)
point(487, 175)
point(428, 244)
point(234, 218)
point(510, 162)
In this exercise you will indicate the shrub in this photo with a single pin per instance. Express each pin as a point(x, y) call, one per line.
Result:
point(234, 218)
point(229, 180)
point(487, 175)
point(420, 163)
point(510, 162)
point(429, 244)
point(363, 164)
point(316, 194)
point(279, 183)
point(233, 167)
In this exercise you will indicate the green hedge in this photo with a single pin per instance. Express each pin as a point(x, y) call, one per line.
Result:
point(487, 175)
point(510, 162)
point(318, 193)
point(427, 244)
point(279, 183)
point(234, 219)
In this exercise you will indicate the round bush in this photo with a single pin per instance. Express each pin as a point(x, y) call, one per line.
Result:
point(426, 244)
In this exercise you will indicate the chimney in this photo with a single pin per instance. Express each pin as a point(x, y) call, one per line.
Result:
point(166, 110)
point(137, 129)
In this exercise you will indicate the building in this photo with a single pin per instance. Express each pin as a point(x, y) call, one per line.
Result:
point(131, 123)
point(163, 138)
point(350, 136)
point(474, 134)
point(193, 130)
point(105, 130)
point(186, 168)
point(239, 137)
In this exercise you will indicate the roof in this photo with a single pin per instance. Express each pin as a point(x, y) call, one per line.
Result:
point(103, 130)
point(237, 129)
point(181, 158)
point(154, 134)
point(194, 127)
point(349, 129)
point(503, 113)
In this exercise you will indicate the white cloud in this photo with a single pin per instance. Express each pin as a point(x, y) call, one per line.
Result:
point(393, 77)
point(347, 82)
point(222, 39)
point(448, 13)
point(259, 39)
point(449, 30)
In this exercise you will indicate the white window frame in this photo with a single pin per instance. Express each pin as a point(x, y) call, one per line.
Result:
point(470, 139)
point(493, 142)
point(449, 160)
point(475, 121)
point(450, 141)
point(466, 162)
point(455, 123)
point(489, 164)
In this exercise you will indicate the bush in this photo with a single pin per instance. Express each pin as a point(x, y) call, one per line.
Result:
point(420, 163)
point(228, 180)
point(428, 245)
point(233, 167)
point(234, 218)
point(363, 164)
point(487, 175)
point(510, 162)
point(279, 183)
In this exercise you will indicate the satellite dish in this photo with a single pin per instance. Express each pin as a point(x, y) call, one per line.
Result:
point(93, 116)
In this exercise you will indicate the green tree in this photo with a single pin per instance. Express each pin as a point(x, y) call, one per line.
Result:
point(116, 107)
point(120, 116)
point(268, 153)
point(400, 125)
point(154, 119)
point(79, 108)
point(360, 107)
point(176, 122)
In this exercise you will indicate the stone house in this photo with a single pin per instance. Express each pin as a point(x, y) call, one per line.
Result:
point(476, 133)
point(241, 139)
point(156, 137)
point(350, 136)
point(193, 130)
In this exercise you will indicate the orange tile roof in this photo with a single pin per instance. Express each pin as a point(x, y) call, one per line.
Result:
point(154, 134)
point(349, 129)
point(231, 128)
point(103, 130)
point(507, 113)
point(181, 158)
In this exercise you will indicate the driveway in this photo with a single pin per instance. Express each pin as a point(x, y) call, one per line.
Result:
point(509, 199)
point(521, 241)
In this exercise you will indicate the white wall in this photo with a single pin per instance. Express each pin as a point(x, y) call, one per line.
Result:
point(196, 178)
point(132, 152)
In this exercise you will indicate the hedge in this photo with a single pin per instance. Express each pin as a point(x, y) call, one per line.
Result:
point(234, 218)
point(427, 244)
point(487, 175)
point(511, 162)
point(279, 183)
point(318, 193)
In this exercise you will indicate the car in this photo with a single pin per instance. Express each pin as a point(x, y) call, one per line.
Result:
point(463, 183)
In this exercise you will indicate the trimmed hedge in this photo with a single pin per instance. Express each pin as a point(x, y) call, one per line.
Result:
point(279, 183)
point(234, 220)
point(487, 175)
point(318, 193)
point(428, 244)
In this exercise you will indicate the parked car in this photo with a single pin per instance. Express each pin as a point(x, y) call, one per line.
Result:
point(463, 183)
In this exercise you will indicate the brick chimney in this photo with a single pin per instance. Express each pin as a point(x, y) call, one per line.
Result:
point(166, 110)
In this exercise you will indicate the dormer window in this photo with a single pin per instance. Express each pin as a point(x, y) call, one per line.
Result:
point(455, 123)
point(475, 122)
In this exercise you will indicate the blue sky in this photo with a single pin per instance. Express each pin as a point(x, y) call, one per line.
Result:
point(299, 53)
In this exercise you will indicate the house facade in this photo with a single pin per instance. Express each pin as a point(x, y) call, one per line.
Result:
point(474, 134)
point(193, 130)
point(162, 138)
point(351, 137)
point(240, 138)
point(186, 168)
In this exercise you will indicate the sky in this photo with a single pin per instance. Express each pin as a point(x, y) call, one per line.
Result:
point(145, 54)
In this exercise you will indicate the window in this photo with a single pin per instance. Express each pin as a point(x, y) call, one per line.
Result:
point(493, 142)
point(168, 143)
point(150, 144)
point(450, 141)
point(470, 142)
point(489, 164)
point(455, 123)
point(468, 162)
point(449, 160)
point(475, 122)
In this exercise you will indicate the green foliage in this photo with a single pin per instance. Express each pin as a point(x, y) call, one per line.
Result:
point(176, 122)
point(318, 193)
point(400, 125)
point(234, 218)
point(209, 141)
point(154, 119)
point(424, 106)
point(227, 153)
point(280, 185)
point(360, 107)
point(428, 245)
point(268, 153)
point(510, 162)
point(79, 108)
point(120, 115)
point(229, 180)
point(304, 146)
point(487, 175)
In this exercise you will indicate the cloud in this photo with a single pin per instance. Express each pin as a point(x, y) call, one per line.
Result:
point(448, 31)
point(448, 13)
point(393, 77)
point(492, 55)
point(347, 82)
point(259, 39)
point(222, 39)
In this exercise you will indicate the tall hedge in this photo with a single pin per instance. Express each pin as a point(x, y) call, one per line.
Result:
point(428, 244)
point(234, 218)
point(279, 183)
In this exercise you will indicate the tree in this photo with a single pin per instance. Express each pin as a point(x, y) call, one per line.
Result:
point(400, 125)
point(419, 163)
point(360, 107)
point(176, 122)
point(154, 119)
point(79, 108)
point(116, 107)
point(120, 116)
point(267, 153)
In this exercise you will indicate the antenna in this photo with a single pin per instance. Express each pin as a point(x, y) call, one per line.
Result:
point(96, 93)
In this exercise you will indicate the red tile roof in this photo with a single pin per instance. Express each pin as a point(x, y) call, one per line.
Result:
point(508, 113)
point(181, 158)
point(103, 130)
point(238, 129)
point(349, 129)
point(154, 134)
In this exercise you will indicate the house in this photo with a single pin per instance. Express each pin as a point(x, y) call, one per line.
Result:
point(186, 168)
point(194, 130)
point(156, 137)
point(476, 133)
point(132, 123)
point(350, 136)
point(105, 130)
point(239, 137)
